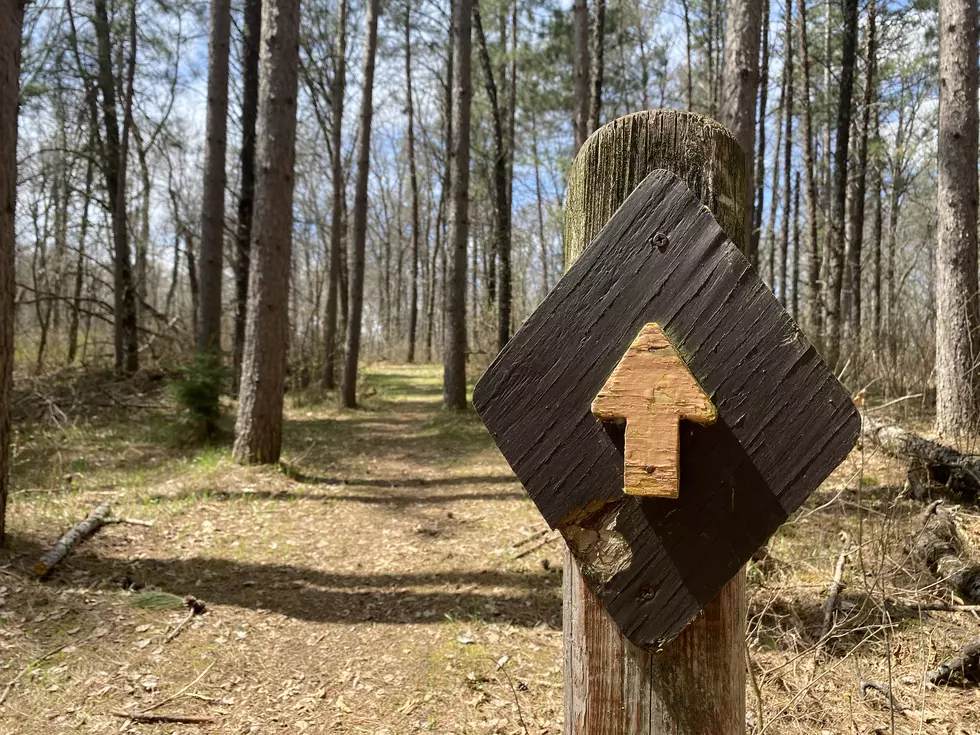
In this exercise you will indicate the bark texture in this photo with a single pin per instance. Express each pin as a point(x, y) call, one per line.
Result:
point(213, 197)
point(697, 684)
point(259, 428)
point(956, 246)
point(454, 362)
point(10, 31)
point(413, 314)
point(359, 227)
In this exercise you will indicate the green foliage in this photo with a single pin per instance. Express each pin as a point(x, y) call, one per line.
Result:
point(198, 392)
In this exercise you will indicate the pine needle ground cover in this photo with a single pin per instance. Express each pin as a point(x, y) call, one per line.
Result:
point(391, 577)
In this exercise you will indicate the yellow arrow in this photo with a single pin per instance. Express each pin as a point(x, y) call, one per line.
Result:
point(651, 389)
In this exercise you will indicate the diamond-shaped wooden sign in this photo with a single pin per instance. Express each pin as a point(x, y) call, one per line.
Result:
point(784, 422)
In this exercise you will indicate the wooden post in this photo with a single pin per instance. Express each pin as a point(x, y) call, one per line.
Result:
point(696, 685)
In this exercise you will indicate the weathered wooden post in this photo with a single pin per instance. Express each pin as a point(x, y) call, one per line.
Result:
point(696, 685)
point(666, 414)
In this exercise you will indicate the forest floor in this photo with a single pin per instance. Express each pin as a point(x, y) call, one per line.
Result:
point(390, 578)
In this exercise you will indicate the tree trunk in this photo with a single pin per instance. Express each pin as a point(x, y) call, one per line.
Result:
point(501, 210)
point(687, 49)
point(413, 307)
point(359, 230)
point(740, 82)
point(795, 310)
point(10, 31)
point(876, 229)
point(787, 156)
point(114, 170)
point(595, 91)
point(775, 191)
point(580, 70)
point(259, 427)
point(76, 303)
point(696, 684)
point(855, 221)
point(454, 379)
point(835, 232)
point(956, 247)
point(814, 312)
point(760, 154)
point(252, 32)
point(542, 243)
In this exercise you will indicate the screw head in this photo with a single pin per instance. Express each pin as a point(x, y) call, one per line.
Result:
point(660, 240)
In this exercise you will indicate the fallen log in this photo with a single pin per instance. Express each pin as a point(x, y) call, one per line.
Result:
point(78, 532)
point(964, 667)
point(939, 463)
point(939, 549)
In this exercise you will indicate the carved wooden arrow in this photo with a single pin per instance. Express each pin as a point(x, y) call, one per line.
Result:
point(651, 389)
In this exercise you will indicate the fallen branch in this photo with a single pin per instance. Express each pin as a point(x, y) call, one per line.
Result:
point(966, 666)
point(129, 522)
point(148, 718)
point(532, 549)
point(532, 537)
point(195, 607)
point(938, 548)
point(74, 535)
point(836, 587)
point(958, 472)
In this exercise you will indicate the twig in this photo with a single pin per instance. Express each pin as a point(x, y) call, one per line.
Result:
point(532, 537)
point(196, 607)
point(517, 703)
point(130, 522)
point(532, 549)
point(35, 662)
point(836, 587)
point(756, 689)
point(172, 697)
point(178, 718)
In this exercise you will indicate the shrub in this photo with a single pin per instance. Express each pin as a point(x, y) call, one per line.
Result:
point(198, 392)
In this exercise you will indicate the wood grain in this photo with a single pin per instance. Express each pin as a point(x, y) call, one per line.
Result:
point(651, 390)
point(784, 421)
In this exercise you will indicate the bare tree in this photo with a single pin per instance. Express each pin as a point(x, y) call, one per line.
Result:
point(454, 367)
point(739, 84)
point(10, 29)
point(787, 156)
point(359, 228)
point(956, 247)
point(760, 149)
point(259, 427)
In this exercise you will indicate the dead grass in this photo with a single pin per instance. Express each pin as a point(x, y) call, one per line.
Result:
point(372, 586)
